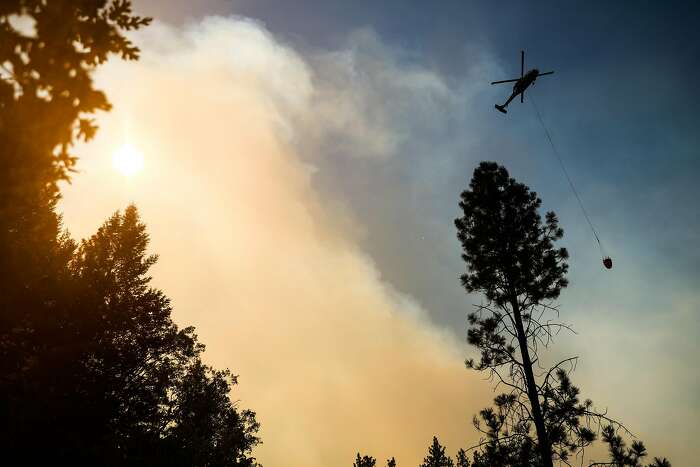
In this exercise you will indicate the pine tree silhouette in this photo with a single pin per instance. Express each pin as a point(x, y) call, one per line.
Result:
point(436, 456)
point(364, 461)
point(511, 259)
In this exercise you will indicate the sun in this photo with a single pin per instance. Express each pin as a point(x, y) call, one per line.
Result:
point(128, 160)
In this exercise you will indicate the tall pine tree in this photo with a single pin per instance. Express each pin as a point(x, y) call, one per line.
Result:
point(513, 262)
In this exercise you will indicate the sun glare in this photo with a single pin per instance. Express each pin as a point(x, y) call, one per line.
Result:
point(128, 160)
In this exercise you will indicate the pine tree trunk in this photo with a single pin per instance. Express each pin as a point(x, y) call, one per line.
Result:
point(545, 448)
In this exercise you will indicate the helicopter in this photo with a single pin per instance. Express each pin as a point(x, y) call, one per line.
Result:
point(521, 84)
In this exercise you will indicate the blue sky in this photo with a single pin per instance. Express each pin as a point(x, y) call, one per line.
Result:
point(622, 110)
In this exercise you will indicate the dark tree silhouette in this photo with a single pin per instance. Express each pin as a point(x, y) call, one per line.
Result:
point(364, 461)
point(46, 100)
point(391, 462)
point(462, 459)
point(436, 456)
point(142, 375)
point(126, 385)
point(511, 259)
point(506, 435)
point(93, 371)
point(46, 91)
point(622, 456)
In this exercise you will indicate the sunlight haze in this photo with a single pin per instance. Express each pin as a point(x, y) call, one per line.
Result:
point(128, 160)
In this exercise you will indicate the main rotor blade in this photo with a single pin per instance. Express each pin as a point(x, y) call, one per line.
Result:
point(505, 81)
point(522, 63)
point(548, 73)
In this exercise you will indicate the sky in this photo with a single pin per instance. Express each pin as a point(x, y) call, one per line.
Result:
point(302, 167)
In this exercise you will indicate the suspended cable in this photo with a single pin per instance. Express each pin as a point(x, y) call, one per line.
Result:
point(568, 178)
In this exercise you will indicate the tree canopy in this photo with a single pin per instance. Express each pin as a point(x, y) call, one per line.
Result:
point(93, 370)
point(436, 456)
point(512, 260)
point(48, 52)
point(116, 378)
point(509, 252)
point(364, 461)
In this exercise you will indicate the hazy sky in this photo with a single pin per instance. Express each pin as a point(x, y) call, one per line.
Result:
point(303, 163)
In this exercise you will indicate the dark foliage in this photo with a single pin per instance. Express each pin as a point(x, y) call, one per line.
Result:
point(93, 371)
point(364, 461)
point(158, 401)
point(436, 456)
point(507, 249)
point(462, 459)
point(46, 101)
point(117, 381)
point(511, 259)
point(46, 92)
point(506, 428)
point(622, 456)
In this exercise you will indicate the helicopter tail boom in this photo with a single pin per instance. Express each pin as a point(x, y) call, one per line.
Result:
point(505, 81)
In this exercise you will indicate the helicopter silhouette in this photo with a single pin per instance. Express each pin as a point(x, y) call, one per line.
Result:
point(521, 84)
